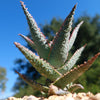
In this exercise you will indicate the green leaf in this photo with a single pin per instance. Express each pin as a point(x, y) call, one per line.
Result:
point(34, 84)
point(73, 74)
point(74, 34)
point(68, 65)
point(39, 39)
point(40, 65)
point(29, 41)
point(59, 48)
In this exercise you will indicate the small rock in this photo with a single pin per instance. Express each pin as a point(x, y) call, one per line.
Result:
point(96, 97)
point(32, 98)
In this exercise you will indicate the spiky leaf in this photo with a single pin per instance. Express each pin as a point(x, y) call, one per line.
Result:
point(34, 84)
point(59, 49)
point(40, 65)
point(68, 65)
point(73, 74)
point(39, 39)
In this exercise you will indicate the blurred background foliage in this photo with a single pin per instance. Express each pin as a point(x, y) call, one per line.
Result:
point(89, 34)
point(3, 79)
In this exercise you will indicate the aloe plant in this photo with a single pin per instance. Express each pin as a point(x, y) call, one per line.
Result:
point(52, 62)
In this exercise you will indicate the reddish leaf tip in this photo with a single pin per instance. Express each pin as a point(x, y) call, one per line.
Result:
point(16, 71)
point(98, 53)
point(81, 22)
point(85, 45)
point(75, 6)
point(19, 34)
point(21, 2)
point(16, 44)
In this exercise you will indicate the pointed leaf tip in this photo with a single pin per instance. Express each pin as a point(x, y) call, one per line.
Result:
point(73, 9)
point(25, 37)
point(19, 34)
point(22, 76)
point(21, 2)
point(60, 42)
point(28, 40)
point(85, 45)
point(76, 4)
point(74, 35)
point(16, 44)
point(16, 71)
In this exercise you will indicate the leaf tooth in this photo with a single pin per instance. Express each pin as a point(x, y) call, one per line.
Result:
point(85, 62)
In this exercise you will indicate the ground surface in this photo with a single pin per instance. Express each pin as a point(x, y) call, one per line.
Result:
point(79, 96)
